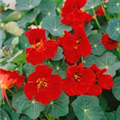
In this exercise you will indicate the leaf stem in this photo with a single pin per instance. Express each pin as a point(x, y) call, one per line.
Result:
point(96, 20)
point(21, 68)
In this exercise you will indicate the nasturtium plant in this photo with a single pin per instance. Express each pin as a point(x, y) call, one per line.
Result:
point(59, 59)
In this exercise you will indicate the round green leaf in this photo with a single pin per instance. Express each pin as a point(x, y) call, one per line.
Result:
point(108, 61)
point(92, 4)
point(58, 107)
point(3, 115)
point(27, 4)
point(87, 108)
point(23, 105)
point(113, 29)
point(54, 26)
point(47, 7)
point(58, 55)
point(116, 88)
point(115, 5)
point(97, 47)
point(59, 67)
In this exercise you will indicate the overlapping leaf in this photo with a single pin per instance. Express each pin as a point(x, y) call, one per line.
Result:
point(54, 26)
point(87, 108)
point(97, 47)
point(113, 29)
point(58, 107)
point(116, 88)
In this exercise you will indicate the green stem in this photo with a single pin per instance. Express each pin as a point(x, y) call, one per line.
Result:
point(21, 68)
point(48, 117)
point(96, 20)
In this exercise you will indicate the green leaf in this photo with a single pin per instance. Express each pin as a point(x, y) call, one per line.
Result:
point(88, 61)
point(59, 67)
point(115, 5)
point(54, 26)
point(118, 113)
point(87, 108)
point(14, 16)
point(47, 7)
point(108, 61)
point(113, 29)
point(23, 42)
point(58, 55)
point(116, 88)
point(27, 4)
point(17, 31)
point(58, 107)
point(2, 37)
point(92, 4)
point(3, 115)
point(23, 105)
point(25, 118)
point(110, 116)
point(28, 69)
point(97, 47)
point(103, 102)
point(29, 17)
point(19, 57)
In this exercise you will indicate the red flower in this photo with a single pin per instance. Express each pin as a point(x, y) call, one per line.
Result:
point(75, 17)
point(41, 47)
point(108, 42)
point(78, 81)
point(75, 45)
point(42, 85)
point(102, 81)
point(100, 11)
point(8, 79)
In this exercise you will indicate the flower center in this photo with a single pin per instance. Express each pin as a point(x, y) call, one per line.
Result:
point(77, 77)
point(41, 83)
point(77, 43)
point(39, 45)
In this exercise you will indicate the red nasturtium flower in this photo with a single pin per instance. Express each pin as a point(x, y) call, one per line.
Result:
point(102, 81)
point(108, 42)
point(8, 79)
point(75, 45)
point(42, 85)
point(78, 81)
point(100, 11)
point(41, 47)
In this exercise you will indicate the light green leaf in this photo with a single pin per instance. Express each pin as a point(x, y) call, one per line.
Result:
point(3, 115)
point(58, 55)
point(13, 28)
point(97, 47)
point(87, 108)
point(47, 8)
point(29, 17)
point(92, 4)
point(54, 26)
point(113, 29)
point(27, 4)
point(115, 5)
point(58, 107)
point(116, 88)
point(2, 37)
point(108, 61)
point(23, 105)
